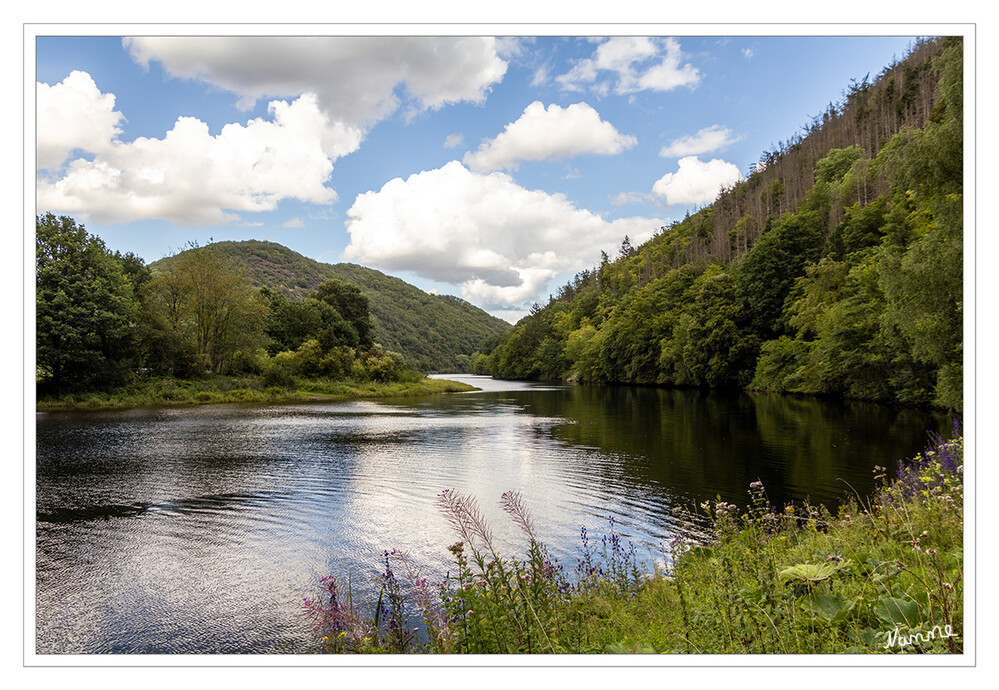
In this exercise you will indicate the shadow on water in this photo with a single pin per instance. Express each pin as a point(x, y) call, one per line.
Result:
point(701, 444)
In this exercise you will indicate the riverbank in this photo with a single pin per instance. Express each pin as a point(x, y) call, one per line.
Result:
point(169, 392)
point(878, 576)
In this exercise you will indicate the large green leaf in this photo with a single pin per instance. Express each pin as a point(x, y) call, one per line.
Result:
point(810, 573)
point(832, 608)
point(899, 612)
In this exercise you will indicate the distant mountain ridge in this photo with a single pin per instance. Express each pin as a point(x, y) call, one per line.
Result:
point(437, 333)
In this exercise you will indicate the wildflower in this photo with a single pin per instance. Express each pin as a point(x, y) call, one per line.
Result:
point(756, 485)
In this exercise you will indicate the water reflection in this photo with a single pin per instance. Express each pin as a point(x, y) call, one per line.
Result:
point(199, 530)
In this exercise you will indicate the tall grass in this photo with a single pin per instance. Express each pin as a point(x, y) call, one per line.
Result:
point(880, 576)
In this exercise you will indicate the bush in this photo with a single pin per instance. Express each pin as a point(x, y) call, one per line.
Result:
point(278, 373)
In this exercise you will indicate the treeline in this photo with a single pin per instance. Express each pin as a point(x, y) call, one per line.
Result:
point(434, 333)
point(852, 287)
point(105, 320)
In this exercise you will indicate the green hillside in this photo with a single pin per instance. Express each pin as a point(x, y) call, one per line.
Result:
point(836, 268)
point(433, 332)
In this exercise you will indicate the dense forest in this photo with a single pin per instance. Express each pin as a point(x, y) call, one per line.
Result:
point(106, 320)
point(835, 268)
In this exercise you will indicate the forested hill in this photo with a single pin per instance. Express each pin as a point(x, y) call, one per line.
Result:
point(835, 268)
point(433, 332)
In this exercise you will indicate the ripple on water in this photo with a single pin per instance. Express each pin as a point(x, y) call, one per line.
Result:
point(200, 530)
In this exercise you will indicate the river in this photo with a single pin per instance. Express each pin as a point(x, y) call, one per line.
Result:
point(199, 530)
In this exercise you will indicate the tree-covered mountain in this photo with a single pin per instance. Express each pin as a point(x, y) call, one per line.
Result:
point(433, 332)
point(834, 268)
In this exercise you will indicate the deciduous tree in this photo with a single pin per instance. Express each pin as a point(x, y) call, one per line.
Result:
point(86, 311)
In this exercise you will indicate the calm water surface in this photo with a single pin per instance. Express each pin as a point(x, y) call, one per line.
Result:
point(199, 530)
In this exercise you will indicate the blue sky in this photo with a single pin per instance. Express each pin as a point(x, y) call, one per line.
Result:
point(493, 169)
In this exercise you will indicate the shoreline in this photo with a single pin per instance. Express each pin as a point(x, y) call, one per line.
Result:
point(161, 393)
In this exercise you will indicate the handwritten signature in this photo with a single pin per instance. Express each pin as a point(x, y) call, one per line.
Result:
point(896, 638)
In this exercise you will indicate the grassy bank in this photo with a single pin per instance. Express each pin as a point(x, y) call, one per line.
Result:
point(159, 392)
point(883, 576)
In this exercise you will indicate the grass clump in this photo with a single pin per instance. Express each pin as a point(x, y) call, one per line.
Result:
point(883, 576)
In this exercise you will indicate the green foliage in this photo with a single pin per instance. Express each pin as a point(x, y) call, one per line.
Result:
point(583, 351)
point(86, 309)
point(923, 287)
point(291, 323)
point(711, 345)
point(837, 163)
point(765, 276)
point(198, 313)
point(809, 574)
point(430, 331)
point(930, 161)
point(198, 318)
point(783, 365)
point(863, 227)
point(849, 356)
point(831, 270)
point(352, 305)
point(633, 332)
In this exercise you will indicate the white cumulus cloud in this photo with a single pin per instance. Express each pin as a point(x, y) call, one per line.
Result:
point(73, 115)
point(355, 78)
point(550, 133)
point(633, 63)
point(192, 177)
point(501, 243)
point(695, 181)
point(714, 138)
